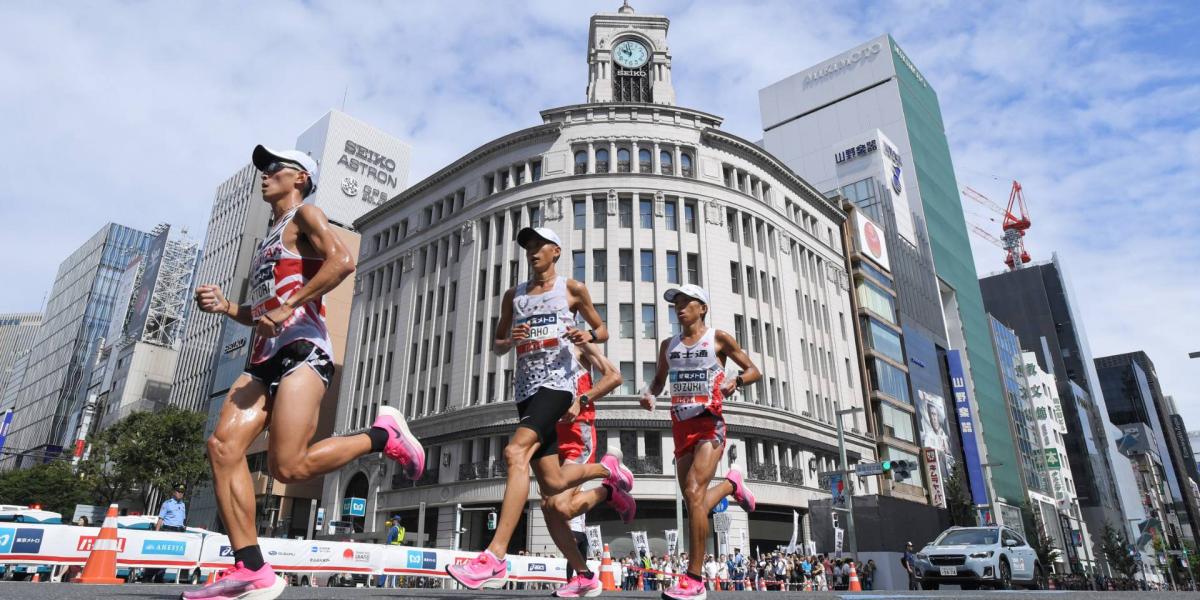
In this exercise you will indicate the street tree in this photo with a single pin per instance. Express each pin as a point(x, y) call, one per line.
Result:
point(958, 499)
point(53, 485)
point(1115, 547)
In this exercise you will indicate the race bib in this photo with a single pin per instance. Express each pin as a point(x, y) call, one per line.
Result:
point(262, 288)
point(686, 385)
point(545, 332)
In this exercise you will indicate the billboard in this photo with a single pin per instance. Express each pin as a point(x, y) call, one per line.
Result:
point(145, 290)
point(966, 426)
point(123, 300)
point(869, 238)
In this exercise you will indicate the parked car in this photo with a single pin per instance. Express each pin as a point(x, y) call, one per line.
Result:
point(994, 556)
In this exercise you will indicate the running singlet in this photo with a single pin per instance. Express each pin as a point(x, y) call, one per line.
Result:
point(694, 377)
point(545, 359)
point(275, 275)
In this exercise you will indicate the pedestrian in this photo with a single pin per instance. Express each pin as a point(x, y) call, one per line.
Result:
point(710, 571)
point(869, 575)
point(908, 561)
point(299, 261)
point(537, 319)
point(723, 573)
point(173, 513)
point(694, 363)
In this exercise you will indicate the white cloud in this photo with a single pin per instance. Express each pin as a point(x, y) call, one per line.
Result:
point(134, 112)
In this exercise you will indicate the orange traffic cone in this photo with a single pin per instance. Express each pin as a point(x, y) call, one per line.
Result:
point(607, 581)
point(101, 566)
point(212, 576)
point(855, 585)
point(37, 577)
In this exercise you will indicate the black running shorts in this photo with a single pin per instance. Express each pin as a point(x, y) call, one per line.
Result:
point(289, 358)
point(541, 412)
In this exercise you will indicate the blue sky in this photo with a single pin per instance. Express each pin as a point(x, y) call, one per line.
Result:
point(134, 112)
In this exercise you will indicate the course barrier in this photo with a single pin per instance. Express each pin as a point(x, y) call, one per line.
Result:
point(201, 554)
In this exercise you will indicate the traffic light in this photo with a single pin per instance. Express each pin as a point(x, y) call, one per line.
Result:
point(902, 470)
point(491, 521)
point(886, 465)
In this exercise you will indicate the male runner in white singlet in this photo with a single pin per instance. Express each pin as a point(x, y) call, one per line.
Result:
point(537, 318)
point(694, 363)
point(300, 261)
point(566, 512)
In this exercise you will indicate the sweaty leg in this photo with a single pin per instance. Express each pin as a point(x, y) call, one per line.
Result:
point(243, 417)
point(583, 501)
point(556, 520)
point(293, 421)
point(695, 472)
point(555, 479)
point(516, 490)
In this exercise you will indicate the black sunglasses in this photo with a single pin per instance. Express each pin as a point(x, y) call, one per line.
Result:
point(278, 166)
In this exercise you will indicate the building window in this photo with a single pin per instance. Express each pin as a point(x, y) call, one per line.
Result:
point(731, 224)
point(626, 314)
point(685, 165)
point(579, 208)
point(535, 168)
point(693, 268)
point(883, 340)
point(599, 214)
point(739, 329)
point(478, 337)
point(751, 283)
point(674, 318)
point(649, 369)
point(623, 160)
point(896, 423)
point(665, 163)
point(748, 231)
point(646, 214)
point(628, 385)
point(672, 267)
point(625, 265)
point(578, 265)
point(602, 161)
point(889, 380)
point(670, 212)
point(735, 278)
point(767, 331)
point(689, 216)
point(649, 329)
point(625, 213)
point(645, 162)
point(599, 266)
point(755, 336)
point(647, 258)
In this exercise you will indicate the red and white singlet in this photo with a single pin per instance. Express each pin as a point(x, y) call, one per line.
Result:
point(275, 275)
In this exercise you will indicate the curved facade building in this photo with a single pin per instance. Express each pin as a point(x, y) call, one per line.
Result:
point(645, 195)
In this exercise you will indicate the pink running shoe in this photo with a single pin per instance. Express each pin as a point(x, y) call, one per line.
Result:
point(741, 493)
point(402, 446)
point(685, 588)
point(618, 475)
point(240, 583)
point(623, 503)
point(484, 570)
point(581, 587)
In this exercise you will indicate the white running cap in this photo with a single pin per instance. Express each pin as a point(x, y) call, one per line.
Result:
point(264, 156)
point(689, 290)
point(528, 234)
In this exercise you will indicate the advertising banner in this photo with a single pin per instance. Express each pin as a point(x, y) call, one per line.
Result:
point(640, 542)
point(1052, 459)
point(966, 424)
point(71, 545)
point(595, 542)
point(145, 290)
point(870, 241)
point(937, 493)
point(672, 536)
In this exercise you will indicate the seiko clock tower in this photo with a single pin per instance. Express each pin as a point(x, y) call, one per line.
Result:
point(628, 58)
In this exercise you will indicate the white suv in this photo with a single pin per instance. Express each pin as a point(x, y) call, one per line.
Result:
point(996, 556)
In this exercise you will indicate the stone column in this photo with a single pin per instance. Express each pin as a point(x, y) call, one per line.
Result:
point(591, 157)
point(678, 170)
point(528, 172)
point(635, 164)
point(656, 164)
point(612, 156)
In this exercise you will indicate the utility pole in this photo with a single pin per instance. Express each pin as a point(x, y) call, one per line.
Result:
point(851, 541)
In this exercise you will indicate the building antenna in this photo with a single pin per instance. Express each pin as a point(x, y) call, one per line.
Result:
point(344, 94)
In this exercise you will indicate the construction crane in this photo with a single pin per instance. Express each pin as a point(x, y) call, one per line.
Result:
point(1014, 226)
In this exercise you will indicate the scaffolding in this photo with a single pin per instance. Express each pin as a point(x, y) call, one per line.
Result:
point(172, 290)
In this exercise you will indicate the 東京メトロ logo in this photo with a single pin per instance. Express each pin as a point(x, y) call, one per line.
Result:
point(414, 559)
point(27, 541)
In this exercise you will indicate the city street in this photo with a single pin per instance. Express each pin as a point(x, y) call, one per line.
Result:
point(56, 591)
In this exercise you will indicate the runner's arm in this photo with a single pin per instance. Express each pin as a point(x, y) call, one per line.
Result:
point(610, 378)
point(502, 338)
point(210, 299)
point(660, 371)
point(337, 265)
point(581, 302)
point(728, 346)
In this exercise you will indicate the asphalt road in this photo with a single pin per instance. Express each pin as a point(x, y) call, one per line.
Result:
point(69, 591)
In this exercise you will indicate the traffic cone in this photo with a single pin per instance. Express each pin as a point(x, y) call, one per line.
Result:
point(855, 585)
point(212, 576)
point(101, 566)
point(37, 577)
point(607, 581)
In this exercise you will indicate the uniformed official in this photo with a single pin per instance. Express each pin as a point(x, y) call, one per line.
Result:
point(173, 512)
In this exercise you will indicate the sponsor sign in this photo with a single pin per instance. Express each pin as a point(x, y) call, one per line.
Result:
point(226, 551)
point(595, 542)
point(86, 542)
point(164, 547)
point(429, 560)
point(537, 567)
point(937, 493)
point(414, 559)
point(871, 241)
point(1052, 459)
point(966, 426)
point(6, 539)
point(27, 541)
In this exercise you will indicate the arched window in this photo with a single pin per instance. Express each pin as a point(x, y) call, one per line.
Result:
point(622, 160)
point(645, 162)
point(602, 161)
point(581, 162)
point(685, 165)
point(664, 163)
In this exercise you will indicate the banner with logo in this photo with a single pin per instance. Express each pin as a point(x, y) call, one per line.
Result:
point(71, 545)
point(839, 535)
point(791, 547)
point(966, 425)
point(937, 493)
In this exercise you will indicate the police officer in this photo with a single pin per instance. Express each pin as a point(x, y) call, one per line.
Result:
point(173, 512)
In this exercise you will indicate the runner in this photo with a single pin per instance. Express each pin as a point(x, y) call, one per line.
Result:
point(544, 310)
point(300, 261)
point(566, 513)
point(694, 360)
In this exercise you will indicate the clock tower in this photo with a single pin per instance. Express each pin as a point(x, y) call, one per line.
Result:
point(628, 58)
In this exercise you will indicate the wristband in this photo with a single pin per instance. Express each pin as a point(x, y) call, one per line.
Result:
point(268, 317)
point(739, 381)
point(592, 332)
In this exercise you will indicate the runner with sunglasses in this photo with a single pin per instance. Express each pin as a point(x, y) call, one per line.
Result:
point(693, 362)
point(299, 262)
point(537, 318)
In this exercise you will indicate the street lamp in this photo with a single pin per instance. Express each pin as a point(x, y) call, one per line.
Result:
point(851, 542)
point(991, 489)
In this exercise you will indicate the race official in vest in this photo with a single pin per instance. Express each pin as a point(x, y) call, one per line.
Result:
point(173, 512)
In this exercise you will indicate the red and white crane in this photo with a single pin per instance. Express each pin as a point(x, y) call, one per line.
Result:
point(1014, 225)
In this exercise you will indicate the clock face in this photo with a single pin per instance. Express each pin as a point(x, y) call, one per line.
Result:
point(630, 54)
